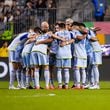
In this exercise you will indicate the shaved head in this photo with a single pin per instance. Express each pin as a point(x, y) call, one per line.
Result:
point(45, 26)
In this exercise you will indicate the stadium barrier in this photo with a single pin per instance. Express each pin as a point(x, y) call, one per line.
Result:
point(104, 70)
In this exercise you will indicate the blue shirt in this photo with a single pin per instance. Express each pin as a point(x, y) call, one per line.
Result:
point(100, 7)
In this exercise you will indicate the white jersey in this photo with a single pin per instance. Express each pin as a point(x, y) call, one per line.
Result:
point(41, 47)
point(65, 51)
point(79, 46)
point(95, 45)
point(27, 48)
point(18, 42)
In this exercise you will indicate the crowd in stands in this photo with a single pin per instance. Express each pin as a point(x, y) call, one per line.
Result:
point(33, 12)
point(25, 15)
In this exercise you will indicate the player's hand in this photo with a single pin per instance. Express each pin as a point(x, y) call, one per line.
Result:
point(63, 39)
point(62, 44)
point(50, 33)
point(37, 43)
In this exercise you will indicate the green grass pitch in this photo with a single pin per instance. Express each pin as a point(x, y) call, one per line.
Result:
point(55, 99)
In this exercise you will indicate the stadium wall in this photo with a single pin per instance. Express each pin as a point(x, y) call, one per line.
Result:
point(104, 70)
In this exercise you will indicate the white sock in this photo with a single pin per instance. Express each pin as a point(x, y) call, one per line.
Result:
point(83, 75)
point(96, 74)
point(36, 75)
point(33, 81)
point(18, 76)
point(47, 77)
point(59, 76)
point(12, 74)
point(67, 76)
point(77, 73)
point(23, 79)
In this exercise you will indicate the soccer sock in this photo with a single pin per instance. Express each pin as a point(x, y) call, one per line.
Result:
point(33, 81)
point(36, 75)
point(67, 76)
point(27, 80)
point(47, 77)
point(59, 76)
point(96, 74)
point(12, 74)
point(92, 76)
point(83, 75)
point(74, 76)
point(77, 73)
point(23, 79)
point(18, 74)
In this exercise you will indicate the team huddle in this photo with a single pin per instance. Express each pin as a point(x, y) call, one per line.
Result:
point(72, 46)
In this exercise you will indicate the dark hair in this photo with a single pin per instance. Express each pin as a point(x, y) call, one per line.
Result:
point(75, 23)
point(82, 24)
point(61, 25)
point(37, 30)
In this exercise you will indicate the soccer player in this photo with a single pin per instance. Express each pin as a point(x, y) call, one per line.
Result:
point(15, 49)
point(27, 60)
point(80, 56)
point(64, 55)
point(52, 58)
point(97, 59)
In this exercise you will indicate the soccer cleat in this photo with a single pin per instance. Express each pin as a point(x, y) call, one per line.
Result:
point(13, 88)
point(47, 87)
point(52, 86)
point(37, 88)
point(59, 86)
point(73, 86)
point(29, 87)
point(77, 87)
point(23, 87)
point(94, 87)
point(65, 87)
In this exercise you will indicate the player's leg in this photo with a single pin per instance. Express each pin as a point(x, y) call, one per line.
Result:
point(47, 76)
point(66, 65)
point(12, 68)
point(77, 72)
point(36, 75)
point(59, 72)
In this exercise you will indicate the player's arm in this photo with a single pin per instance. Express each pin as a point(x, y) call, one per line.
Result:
point(67, 42)
point(49, 40)
point(30, 41)
point(56, 36)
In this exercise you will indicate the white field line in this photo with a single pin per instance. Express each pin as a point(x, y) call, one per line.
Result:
point(36, 95)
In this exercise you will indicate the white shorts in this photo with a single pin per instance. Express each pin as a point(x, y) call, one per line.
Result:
point(97, 58)
point(26, 59)
point(39, 59)
point(63, 63)
point(14, 56)
point(80, 62)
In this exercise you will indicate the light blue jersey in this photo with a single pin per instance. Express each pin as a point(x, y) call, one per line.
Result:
point(18, 42)
point(95, 45)
point(79, 47)
point(42, 48)
point(27, 48)
point(65, 51)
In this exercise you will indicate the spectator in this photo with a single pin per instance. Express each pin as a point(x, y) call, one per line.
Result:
point(51, 5)
point(1, 7)
point(19, 23)
point(100, 9)
point(29, 13)
point(8, 17)
point(41, 7)
point(2, 25)
point(4, 50)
